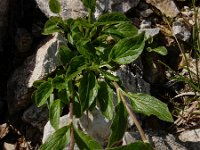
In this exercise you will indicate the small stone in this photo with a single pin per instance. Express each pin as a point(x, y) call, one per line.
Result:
point(9, 146)
point(180, 30)
point(146, 13)
point(145, 24)
point(151, 32)
point(190, 136)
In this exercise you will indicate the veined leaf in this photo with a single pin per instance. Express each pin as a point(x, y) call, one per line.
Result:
point(88, 90)
point(65, 55)
point(105, 99)
point(84, 141)
point(138, 145)
point(119, 125)
point(149, 105)
point(125, 29)
point(58, 140)
point(51, 26)
point(54, 6)
point(42, 93)
point(91, 4)
point(160, 50)
point(128, 49)
point(111, 18)
point(55, 112)
point(77, 64)
point(59, 82)
point(109, 76)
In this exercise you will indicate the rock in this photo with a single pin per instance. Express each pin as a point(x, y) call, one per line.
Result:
point(34, 68)
point(159, 140)
point(167, 7)
point(191, 136)
point(145, 24)
point(180, 30)
point(151, 32)
point(146, 13)
point(37, 117)
point(75, 8)
point(4, 6)
point(95, 125)
point(9, 146)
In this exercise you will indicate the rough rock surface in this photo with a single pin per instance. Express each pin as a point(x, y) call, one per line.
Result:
point(75, 8)
point(167, 7)
point(35, 67)
point(95, 125)
point(3, 20)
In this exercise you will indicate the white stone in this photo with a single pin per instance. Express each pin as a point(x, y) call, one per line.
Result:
point(190, 136)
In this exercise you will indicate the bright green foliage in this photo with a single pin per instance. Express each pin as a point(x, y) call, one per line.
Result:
point(84, 141)
point(160, 50)
point(58, 140)
point(84, 80)
point(148, 105)
point(119, 125)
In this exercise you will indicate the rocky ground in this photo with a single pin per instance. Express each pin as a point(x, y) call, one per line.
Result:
point(26, 55)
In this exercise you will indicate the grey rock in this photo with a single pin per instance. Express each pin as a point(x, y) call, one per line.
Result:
point(150, 32)
point(180, 30)
point(159, 140)
point(4, 7)
point(75, 8)
point(167, 7)
point(146, 13)
point(35, 116)
point(94, 124)
point(9, 146)
point(145, 24)
point(35, 67)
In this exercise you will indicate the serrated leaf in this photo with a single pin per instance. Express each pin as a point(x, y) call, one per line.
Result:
point(111, 18)
point(59, 82)
point(77, 64)
point(105, 100)
point(55, 112)
point(91, 4)
point(109, 76)
point(128, 49)
point(149, 105)
point(65, 55)
point(51, 26)
point(160, 50)
point(58, 140)
point(43, 92)
point(138, 145)
point(55, 6)
point(126, 29)
point(88, 90)
point(84, 141)
point(119, 125)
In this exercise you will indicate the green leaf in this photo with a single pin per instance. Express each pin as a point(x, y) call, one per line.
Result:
point(90, 4)
point(88, 90)
point(55, 112)
point(138, 145)
point(54, 6)
point(128, 49)
point(111, 18)
point(126, 29)
point(119, 125)
point(77, 64)
point(42, 93)
point(58, 140)
point(51, 26)
point(65, 55)
point(160, 50)
point(37, 83)
point(84, 141)
point(59, 82)
point(105, 99)
point(109, 76)
point(149, 105)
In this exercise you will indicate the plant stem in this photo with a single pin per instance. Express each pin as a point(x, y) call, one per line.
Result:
point(72, 143)
point(131, 113)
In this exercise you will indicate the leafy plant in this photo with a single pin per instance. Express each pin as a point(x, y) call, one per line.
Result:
point(94, 49)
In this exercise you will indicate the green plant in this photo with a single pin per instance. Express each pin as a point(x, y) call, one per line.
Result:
point(84, 81)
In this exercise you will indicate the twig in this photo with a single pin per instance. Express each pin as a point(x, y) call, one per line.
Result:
point(186, 94)
point(131, 113)
point(72, 142)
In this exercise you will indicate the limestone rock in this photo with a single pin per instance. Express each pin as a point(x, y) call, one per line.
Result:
point(34, 68)
point(95, 125)
point(75, 8)
point(167, 7)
